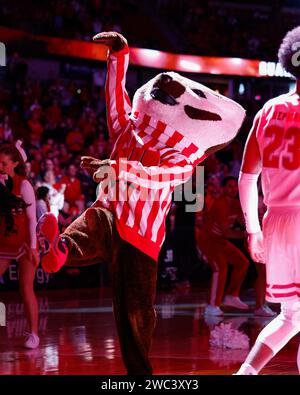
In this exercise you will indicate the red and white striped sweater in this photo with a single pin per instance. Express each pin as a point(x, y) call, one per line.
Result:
point(149, 159)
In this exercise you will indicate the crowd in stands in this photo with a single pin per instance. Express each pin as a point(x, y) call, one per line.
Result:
point(233, 28)
point(213, 28)
point(58, 122)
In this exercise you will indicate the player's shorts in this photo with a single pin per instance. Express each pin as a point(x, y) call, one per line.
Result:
point(281, 229)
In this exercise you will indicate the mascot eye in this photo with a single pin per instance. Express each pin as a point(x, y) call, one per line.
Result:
point(163, 97)
point(165, 78)
point(199, 93)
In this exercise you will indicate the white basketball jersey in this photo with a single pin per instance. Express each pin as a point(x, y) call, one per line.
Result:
point(278, 136)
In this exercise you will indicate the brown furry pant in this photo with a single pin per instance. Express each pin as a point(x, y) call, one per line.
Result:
point(93, 238)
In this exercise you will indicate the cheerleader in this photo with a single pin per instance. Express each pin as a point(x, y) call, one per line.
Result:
point(18, 232)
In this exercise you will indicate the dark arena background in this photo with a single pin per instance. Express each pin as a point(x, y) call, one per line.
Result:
point(52, 98)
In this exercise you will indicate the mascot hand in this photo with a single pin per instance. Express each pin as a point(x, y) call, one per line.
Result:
point(113, 40)
point(89, 163)
point(104, 171)
point(100, 169)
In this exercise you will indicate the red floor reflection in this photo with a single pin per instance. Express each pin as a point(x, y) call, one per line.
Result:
point(78, 336)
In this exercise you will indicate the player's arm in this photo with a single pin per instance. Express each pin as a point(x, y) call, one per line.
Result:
point(250, 170)
point(248, 191)
point(118, 105)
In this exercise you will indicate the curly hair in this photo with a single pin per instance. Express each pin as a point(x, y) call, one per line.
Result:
point(10, 205)
point(289, 52)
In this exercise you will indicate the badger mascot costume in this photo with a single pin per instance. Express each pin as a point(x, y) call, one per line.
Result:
point(171, 126)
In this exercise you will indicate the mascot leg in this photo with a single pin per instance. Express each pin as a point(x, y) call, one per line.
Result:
point(88, 240)
point(134, 283)
point(90, 237)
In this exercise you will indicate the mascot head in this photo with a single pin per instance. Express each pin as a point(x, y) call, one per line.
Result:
point(206, 118)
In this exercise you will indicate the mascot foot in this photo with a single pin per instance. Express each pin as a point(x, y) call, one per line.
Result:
point(54, 251)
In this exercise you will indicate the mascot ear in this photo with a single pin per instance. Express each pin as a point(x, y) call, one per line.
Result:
point(113, 40)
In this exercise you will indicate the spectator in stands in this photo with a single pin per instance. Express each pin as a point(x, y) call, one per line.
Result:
point(65, 217)
point(73, 193)
point(43, 201)
point(56, 196)
point(75, 141)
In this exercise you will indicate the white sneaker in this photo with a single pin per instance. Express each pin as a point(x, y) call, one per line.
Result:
point(213, 310)
point(264, 311)
point(246, 370)
point(31, 340)
point(235, 301)
point(212, 320)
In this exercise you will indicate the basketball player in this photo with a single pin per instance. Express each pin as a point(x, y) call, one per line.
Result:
point(273, 149)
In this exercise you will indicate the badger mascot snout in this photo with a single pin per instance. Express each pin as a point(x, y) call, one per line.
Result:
point(202, 117)
point(172, 124)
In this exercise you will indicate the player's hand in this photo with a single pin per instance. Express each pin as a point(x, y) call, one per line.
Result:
point(256, 247)
point(113, 40)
